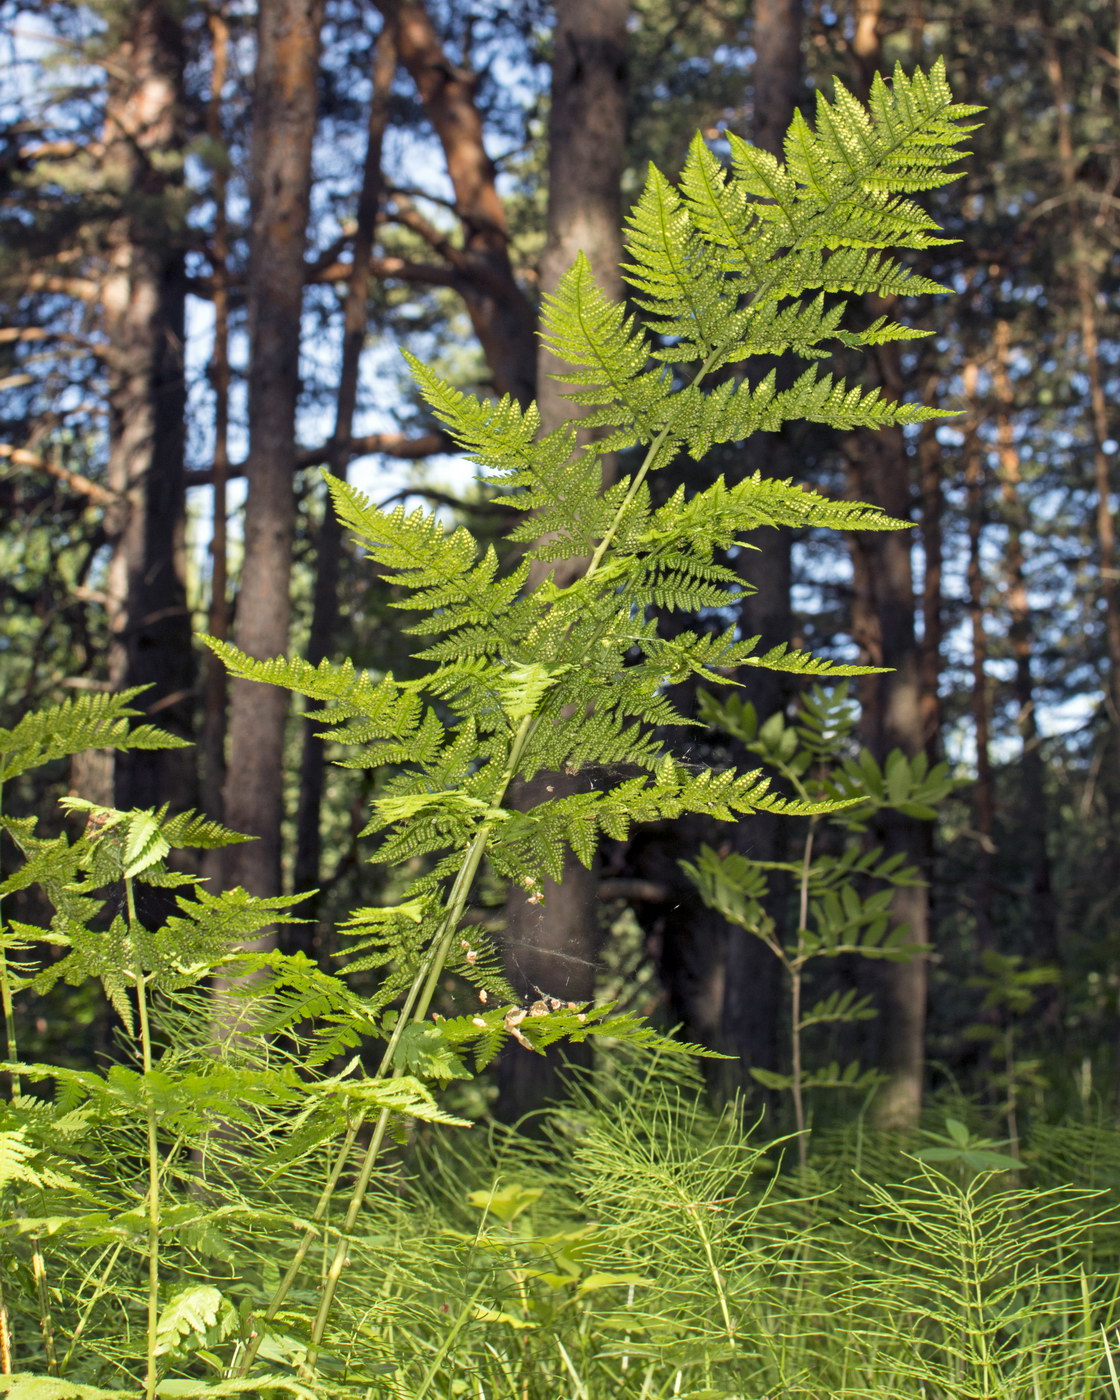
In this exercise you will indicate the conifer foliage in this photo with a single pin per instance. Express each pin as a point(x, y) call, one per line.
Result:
point(729, 264)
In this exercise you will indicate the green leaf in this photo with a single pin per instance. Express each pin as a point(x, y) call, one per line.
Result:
point(193, 1317)
point(24, 1385)
point(508, 1203)
point(484, 1314)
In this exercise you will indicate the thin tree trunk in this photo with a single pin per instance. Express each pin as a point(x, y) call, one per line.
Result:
point(215, 688)
point(325, 604)
point(752, 978)
point(555, 944)
point(143, 302)
point(1042, 913)
point(1085, 286)
point(884, 622)
point(284, 113)
point(983, 801)
point(933, 630)
point(723, 986)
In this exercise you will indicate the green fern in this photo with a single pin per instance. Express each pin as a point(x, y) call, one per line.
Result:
point(763, 259)
point(839, 910)
point(203, 1148)
point(722, 268)
point(86, 722)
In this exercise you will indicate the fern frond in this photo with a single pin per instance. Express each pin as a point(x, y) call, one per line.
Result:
point(610, 358)
point(85, 722)
point(340, 685)
point(440, 568)
point(679, 278)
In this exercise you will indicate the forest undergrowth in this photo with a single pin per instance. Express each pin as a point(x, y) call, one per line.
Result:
point(267, 1192)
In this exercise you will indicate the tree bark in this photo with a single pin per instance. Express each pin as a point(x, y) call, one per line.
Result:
point(1086, 289)
point(983, 799)
point(933, 628)
point(753, 995)
point(324, 614)
point(284, 112)
point(501, 315)
point(883, 623)
point(142, 302)
point(555, 944)
point(1042, 915)
point(215, 688)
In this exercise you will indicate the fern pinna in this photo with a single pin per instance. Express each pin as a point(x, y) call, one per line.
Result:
point(727, 264)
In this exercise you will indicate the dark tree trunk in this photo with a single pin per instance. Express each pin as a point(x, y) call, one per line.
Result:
point(1086, 287)
point(554, 944)
point(1042, 913)
point(325, 604)
point(983, 800)
point(933, 629)
point(883, 623)
point(143, 303)
point(883, 617)
point(215, 688)
point(280, 174)
point(724, 983)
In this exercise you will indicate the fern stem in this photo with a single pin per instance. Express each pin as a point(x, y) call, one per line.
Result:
point(9, 1024)
point(415, 1008)
point(246, 1351)
point(5, 1336)
point(642, 472)
point(795, 1000)
point(43, 1298)
point(151, 1377)
point(420, 995)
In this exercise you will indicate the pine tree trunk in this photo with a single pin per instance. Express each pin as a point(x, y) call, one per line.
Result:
point(215, 688)
point(284, 113)
point(930, 469)
point(500, 314)
point(983, 801)
point(325, 603)
point(883, 622)
point(555, 944)
point(1041, 908)
point(891, 718)
point(752, 978)
point(1086, 287)
point(143, 301)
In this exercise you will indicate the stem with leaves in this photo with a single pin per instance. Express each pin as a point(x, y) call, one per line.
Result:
point(419, 998)
point(416, 1009)
point(151, 1377)
point(795, 966)
point(38, 1263)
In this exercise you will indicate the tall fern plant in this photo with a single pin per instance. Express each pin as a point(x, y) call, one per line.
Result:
point(762, 259)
